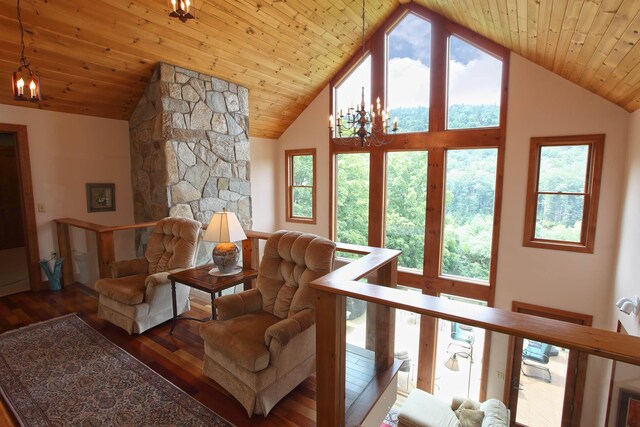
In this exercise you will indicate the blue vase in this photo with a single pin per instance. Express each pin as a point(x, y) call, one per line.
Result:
point(55, 275)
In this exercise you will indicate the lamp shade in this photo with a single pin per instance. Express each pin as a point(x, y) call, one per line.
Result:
point(224, 227)
point(452, 363)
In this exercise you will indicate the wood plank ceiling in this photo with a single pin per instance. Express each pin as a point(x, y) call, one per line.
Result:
point(95, 56)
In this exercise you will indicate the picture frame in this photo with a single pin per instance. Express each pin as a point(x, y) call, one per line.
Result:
point(101, 197)
point(628, 409)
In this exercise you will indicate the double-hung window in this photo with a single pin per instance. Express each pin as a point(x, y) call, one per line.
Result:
point(563, 191)
point(301, 185)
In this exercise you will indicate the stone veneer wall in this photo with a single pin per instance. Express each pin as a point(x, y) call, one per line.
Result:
point(190, 147)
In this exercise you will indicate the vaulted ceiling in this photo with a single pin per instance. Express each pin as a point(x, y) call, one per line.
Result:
point(95, 56)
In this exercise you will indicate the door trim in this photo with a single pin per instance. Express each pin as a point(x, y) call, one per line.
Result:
point(28, 208)
point(576, 368)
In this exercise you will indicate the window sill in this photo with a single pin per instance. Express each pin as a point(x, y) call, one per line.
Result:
point(302, 220)
point(559, 246)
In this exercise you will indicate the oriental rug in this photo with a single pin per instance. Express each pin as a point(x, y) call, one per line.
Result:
point(63, 372)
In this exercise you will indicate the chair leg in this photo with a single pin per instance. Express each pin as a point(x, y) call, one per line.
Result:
point(536, 371)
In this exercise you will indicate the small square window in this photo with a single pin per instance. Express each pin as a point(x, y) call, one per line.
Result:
point(563, 190)
point(301, 185)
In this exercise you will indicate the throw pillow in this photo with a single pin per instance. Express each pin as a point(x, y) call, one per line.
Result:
point(470, 418)
point(467, 404)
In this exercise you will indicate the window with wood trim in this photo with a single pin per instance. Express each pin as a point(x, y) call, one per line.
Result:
point(301, 185)
point(447, 86)
point(562, 192)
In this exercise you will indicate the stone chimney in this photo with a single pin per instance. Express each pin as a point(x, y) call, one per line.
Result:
point(190, 147)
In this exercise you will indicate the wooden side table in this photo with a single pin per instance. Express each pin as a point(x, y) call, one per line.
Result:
point(199, 278)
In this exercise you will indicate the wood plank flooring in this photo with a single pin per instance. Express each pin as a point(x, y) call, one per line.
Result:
point(178, 358)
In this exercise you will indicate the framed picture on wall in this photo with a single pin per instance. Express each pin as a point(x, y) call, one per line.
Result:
point(101, 197)
point(628, 409)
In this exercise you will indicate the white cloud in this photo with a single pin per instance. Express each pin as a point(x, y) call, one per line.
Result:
point(478, 82)
point(350, 89)
point(408, 83)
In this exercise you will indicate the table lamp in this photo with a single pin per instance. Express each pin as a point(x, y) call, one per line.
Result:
point(224, 229)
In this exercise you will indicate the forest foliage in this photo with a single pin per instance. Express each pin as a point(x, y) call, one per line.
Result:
point(469, 196)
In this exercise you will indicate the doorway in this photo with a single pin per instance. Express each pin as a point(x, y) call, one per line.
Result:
point(19, 253)
point(546, 381)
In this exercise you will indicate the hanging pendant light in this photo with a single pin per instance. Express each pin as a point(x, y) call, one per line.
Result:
point(360, 127)
point(180, 10)
point(25, 84)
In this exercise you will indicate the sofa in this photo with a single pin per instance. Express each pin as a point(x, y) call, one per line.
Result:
point(425, 410)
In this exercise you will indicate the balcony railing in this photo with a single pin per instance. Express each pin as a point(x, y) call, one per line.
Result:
point(379, 266)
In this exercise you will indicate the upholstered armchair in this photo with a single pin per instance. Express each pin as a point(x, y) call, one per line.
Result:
point(263, 344)
point(138, 296)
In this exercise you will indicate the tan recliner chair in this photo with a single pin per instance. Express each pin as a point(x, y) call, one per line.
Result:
point(264, 342)
point(138, 296)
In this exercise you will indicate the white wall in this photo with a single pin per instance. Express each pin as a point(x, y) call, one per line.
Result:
point(67, 151)
point(627, 279)
point(627, 276)
point(263, 178)
point(544, 104)
point(309, 130)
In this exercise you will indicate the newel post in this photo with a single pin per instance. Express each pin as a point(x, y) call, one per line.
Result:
point(106, 252)
point(385, 318)
point(64, 251)
point(250, 256)
point(331, 357)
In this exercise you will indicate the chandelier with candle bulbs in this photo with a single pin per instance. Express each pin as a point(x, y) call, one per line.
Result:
point(24, 74)
point(358, 126)
point(180, 10)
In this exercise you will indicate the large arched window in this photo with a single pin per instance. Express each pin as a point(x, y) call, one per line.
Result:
point(434, 191)
point(408, 72)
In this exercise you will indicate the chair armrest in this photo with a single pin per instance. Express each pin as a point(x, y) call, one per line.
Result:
point(154, 280)
point(129, 267)
point(286, 329)
point(234, 305)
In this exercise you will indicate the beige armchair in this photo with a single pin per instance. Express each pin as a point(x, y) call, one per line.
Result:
point(263, 344)
point(138, 296)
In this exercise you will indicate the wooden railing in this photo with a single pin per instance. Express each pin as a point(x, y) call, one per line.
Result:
point(336, 286)
point(104, 241)
point(380, 266)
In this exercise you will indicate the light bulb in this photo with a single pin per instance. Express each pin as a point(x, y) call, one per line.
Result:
point(20, 85)
point(32, 87)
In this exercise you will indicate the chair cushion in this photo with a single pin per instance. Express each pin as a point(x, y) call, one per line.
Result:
point(425, 410)
point(241, 339)
point(495, 413)
point(127, 290)
point(172, 244)
point(290, 262)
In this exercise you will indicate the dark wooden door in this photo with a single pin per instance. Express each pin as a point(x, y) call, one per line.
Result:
point(11, 229)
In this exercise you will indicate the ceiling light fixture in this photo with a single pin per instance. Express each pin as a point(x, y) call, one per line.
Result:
point(181, 10)
point(628, 305)
point(19, 78)
point(360, 127)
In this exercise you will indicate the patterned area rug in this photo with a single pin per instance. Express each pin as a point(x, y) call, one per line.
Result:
point(63, 372)
point(391, 420)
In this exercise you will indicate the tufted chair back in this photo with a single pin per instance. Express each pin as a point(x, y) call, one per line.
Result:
point(291, 261)
point(172, 244)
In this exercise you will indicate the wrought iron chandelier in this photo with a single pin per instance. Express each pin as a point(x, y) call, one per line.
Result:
point(24, 73)
point(360, 127)
point(181, 10)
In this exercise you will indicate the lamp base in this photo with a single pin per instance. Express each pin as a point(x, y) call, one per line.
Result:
point(225, 257)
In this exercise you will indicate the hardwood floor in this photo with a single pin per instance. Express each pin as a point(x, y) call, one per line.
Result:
point(176, 357)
